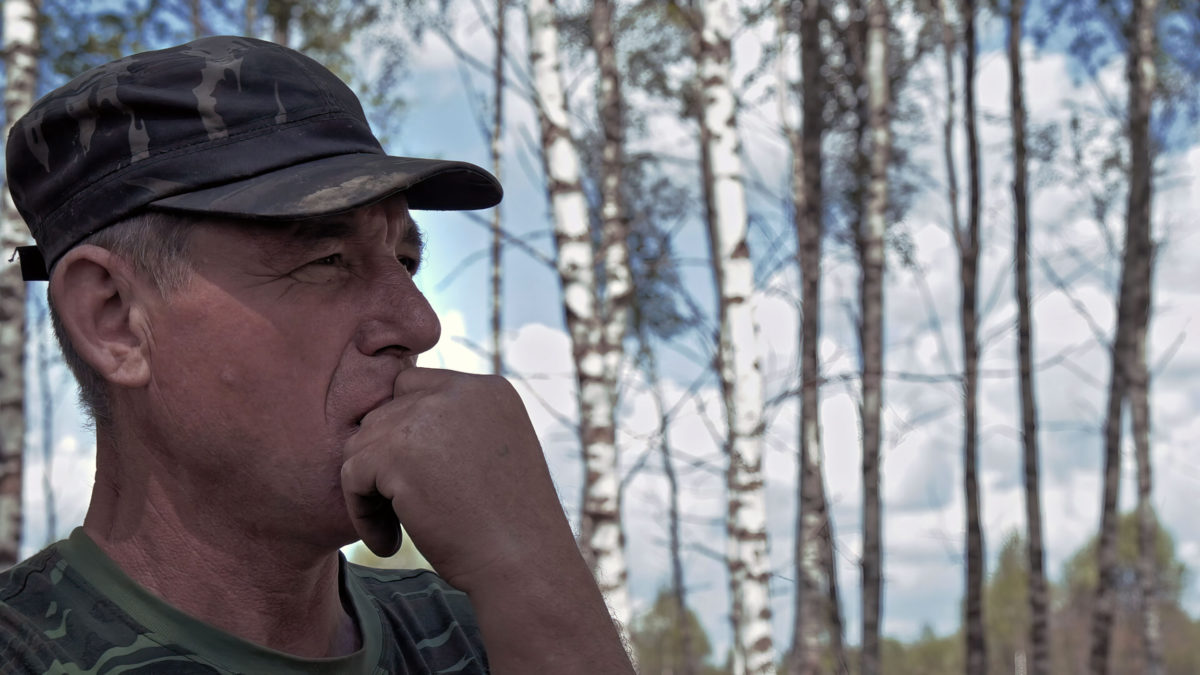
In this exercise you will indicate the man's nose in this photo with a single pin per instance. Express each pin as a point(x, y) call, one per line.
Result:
point(397, 318)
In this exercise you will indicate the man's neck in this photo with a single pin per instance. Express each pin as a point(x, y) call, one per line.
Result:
point(261, 590)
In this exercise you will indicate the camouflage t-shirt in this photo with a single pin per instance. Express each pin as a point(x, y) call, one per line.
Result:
point(70, 609)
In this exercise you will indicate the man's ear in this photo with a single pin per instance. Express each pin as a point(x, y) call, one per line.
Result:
point(99, 299)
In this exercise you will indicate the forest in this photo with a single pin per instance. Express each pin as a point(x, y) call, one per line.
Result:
point(856, 332)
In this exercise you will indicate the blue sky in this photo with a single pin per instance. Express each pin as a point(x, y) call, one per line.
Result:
point(923, 506)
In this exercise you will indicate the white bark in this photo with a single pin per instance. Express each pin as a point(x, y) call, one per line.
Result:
point(1142, 81)
point(602, 539)
point(741, 377)
point(618, 278)
point(20, 64)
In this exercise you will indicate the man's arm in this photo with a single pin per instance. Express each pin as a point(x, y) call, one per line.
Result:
point(455, 458)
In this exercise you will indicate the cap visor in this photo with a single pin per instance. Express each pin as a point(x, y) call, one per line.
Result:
point(343, 182)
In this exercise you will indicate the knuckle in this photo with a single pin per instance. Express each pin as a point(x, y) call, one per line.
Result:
point(348, 470)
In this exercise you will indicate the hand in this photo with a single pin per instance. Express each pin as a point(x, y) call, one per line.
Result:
point(455, 458)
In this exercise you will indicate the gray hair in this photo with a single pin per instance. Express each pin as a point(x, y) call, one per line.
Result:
point(155, 244)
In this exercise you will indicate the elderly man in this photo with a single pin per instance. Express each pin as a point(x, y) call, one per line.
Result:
point(230, 256)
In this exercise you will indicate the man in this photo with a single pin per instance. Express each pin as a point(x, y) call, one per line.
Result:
point(230, 256)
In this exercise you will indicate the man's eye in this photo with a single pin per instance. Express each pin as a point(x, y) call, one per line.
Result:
point(333, 259)
point(410, 264)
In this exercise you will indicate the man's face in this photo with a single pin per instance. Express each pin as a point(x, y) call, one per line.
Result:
point(263, 365)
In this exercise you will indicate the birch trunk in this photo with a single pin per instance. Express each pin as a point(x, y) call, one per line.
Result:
point(1129, 376)
point(250, 18)
point(816, 573)
point(686, 658)
point(820, 525)
point(281, 20)
point(602, 539)
point(871, 253)
point(497, 144)
point(741, 378)
point(1106, 549)
point(1139, 256)
point(21, 47)
point(1148, 582)
point(618, 279)
point(1039, 599)
point(949, 47)
point(197, 13)
point(836, 623)
point(603, 536)
point(968, 246)
point(614, 236)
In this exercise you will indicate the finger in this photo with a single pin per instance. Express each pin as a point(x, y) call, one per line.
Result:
point(417, 379)
point(375, 523)
point(370, 512)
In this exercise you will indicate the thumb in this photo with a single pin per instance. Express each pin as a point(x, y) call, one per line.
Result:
point(416, 380)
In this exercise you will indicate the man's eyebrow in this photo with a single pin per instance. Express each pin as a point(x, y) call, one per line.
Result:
point(278, 242)
point(299, 236)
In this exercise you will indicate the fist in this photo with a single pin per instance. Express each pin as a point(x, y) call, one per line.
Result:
point(455, 459)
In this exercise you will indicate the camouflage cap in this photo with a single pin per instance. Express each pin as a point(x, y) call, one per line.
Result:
point(226, 126)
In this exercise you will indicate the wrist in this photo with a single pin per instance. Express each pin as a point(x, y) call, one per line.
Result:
point(547, 618)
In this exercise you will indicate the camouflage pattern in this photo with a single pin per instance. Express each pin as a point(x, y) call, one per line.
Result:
point(70, 610)
point(223, 125)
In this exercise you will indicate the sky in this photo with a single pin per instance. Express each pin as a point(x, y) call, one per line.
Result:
point(923, 506)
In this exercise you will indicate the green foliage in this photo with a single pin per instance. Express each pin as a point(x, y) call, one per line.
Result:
point(351, 37)
point(1099, 34)
point(1071, 620)
point(1006, 612)
point(78, 36)
point(325, 29)
point(657, 45)
point(656, 209)
point(658, 639)
point(1080, 574)
point(929, 655)
point(1006, 604)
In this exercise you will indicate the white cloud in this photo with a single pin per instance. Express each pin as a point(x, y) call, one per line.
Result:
point(455, 350)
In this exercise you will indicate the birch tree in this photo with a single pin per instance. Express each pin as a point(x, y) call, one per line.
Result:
point(1039, 600)
point(614, 302)
point(687, 657)
point(497, 143)
point(968, 249)
point(1129, 374)
point(816, 572)
point(602, 536)
point(1142, 83)
point(250, 17)
point(739, 367)
point(21, 48)
point(196, 11)
point(871, 261)
point(281, 12)
point(614, 232)
point(602, 539)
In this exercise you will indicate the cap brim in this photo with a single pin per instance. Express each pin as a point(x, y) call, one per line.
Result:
point(343, 182)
